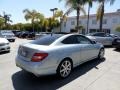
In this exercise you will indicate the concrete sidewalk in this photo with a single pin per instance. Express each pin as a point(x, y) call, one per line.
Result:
point(105, 76)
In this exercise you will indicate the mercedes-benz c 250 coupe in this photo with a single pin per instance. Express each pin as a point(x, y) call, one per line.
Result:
point(57, 54)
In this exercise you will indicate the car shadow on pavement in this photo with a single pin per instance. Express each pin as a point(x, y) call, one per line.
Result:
point(24, 81)
point(108, 46)
point(5, 52)
point(117, 50)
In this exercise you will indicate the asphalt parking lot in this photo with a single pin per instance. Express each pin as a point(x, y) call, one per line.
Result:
point(93, 75)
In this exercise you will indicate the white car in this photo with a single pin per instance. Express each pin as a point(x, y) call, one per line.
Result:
point(57, 53)
point(9, 35)
point(4, 45)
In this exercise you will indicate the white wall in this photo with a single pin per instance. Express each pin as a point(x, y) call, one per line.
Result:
point(110, 23)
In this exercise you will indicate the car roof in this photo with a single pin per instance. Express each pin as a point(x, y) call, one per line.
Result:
point(95, 33)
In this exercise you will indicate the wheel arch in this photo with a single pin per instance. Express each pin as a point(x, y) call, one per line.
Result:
point(68, 58)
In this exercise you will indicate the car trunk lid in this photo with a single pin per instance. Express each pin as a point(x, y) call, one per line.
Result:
point(26, 51)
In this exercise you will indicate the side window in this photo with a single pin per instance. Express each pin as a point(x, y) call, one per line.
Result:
point(107, 35)
point(72, 22)
point(83, 40)
point(70, 40)
point(99, 34)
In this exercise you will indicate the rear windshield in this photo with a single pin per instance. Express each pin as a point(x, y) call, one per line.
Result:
point(46, 40)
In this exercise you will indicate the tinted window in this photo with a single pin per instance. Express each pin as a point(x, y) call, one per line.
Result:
point(46, 40)
point(99, 34)
point(76, 39)
point(83, 40)
point(70, 40)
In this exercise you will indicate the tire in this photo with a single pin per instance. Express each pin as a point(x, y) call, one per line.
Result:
point(101, 53)
point(8, 51)
point(64, 68)
point(13, 40)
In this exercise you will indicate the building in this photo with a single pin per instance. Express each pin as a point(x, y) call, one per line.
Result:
point(110, 22)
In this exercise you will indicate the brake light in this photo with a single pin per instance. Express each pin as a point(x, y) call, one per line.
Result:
point(37, 57)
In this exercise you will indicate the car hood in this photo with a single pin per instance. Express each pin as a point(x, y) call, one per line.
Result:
point(3, 40)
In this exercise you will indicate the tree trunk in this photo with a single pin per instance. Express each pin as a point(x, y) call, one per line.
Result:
point(61, 24)
point(78, 14)
point(101, 18)
point(33, 27)
point(32, 24)
point(88, 19)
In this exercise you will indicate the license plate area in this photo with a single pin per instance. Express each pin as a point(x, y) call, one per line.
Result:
point(22, 52)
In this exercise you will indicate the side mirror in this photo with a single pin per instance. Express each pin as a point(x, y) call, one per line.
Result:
point(93, 42)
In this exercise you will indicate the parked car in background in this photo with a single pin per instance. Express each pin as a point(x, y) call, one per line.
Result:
point(8, 34)
point(57, 53)
point(4, 45)
point(26, 34)
point(31, 35)
point(23, 34)
point(101, 37)
point(40, 34)
point(117, 43)
point(16, 32)
point(114, 36)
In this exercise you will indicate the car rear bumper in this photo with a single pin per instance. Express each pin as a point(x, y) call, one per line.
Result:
point(37, 68)
point(4, 48)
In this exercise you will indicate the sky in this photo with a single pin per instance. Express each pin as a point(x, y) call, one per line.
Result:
point(16, 7)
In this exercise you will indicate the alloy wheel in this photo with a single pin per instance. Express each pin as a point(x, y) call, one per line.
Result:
point(65, 68)
point(101, 54)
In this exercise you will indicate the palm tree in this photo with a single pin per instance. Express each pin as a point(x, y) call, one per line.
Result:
point(100, 11)
point(62, 16)
point(7, 19)
point(53, 22)
point(33, 16)
point(77, 5)
point(89, 6)
point(46, 24)
point(2, 20)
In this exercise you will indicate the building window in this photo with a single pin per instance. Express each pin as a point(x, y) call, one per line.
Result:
point(114, 20)
point(80, 22)
point(64, 24)
point(94, 22)
point(104, 21)
point(73, 23)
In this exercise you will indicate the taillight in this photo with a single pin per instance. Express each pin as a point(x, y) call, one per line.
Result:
point(37, 57)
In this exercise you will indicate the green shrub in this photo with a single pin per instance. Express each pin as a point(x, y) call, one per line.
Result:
point(118, 28)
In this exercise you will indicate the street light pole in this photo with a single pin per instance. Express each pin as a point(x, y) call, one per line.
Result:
point(53, 10)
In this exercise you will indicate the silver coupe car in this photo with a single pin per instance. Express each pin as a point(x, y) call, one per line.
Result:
point(57, 53)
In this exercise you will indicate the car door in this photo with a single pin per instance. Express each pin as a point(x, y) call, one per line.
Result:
point(74, 48)
point(104, 39)
point(108, 40)
point(100, 37)
point(88, 50)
